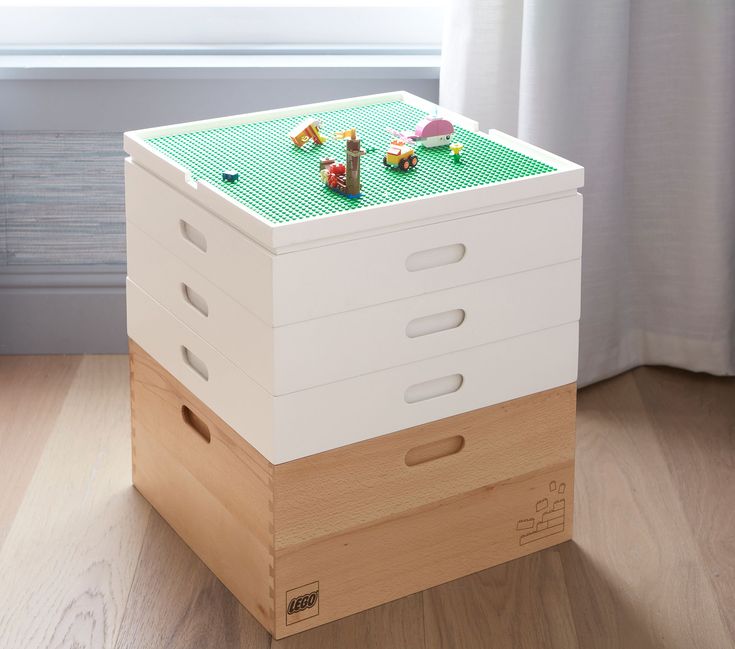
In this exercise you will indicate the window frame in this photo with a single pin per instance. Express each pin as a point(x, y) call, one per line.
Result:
point(350, 27)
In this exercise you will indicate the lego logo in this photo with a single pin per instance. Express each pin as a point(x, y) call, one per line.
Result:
point(303, 602)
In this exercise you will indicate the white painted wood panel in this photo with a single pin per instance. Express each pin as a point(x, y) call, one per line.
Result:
point(376, 269)
point(230, 260)
point(314, 352)
point(309, 421)
point(311, 283)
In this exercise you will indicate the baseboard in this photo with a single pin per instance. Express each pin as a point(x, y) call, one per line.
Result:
point(62, 310)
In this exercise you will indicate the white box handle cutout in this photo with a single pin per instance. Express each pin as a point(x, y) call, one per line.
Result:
point(195, 300)
point(435, 257)
point(434, 450)
point(195, 363)
point(434, 388)
point(434, 323)
point(193, 236)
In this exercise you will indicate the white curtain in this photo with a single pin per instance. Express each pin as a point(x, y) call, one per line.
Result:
point(642, 93)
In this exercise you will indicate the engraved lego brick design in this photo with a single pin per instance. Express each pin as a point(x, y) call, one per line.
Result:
point(280, 182)
point(549, 518)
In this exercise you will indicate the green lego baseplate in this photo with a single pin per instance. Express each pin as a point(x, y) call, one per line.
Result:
point(281, 183)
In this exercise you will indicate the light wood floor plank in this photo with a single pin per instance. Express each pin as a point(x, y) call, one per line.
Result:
point(177, 603)
point(651, 564)
point(634, 573)
point(68, 560)
point(397, 625)
point(694, 418)
point(520, 604)
point(32, 391)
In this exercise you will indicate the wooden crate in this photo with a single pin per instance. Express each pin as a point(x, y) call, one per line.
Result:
point(309, 541)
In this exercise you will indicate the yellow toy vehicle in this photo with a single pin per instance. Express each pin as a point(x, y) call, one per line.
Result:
point(401, 155)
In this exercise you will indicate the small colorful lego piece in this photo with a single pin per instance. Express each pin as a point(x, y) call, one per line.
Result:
point(350, 133)
point(400, 154)
point(344, 178)
point(230, 176)
point(332, 174)
point(305, 131)
point(455, 149)
point(434, 131)
point(430, 132)
point(325, 163)
point(354, 153)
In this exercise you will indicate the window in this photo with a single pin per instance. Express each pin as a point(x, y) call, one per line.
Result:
point(348, 27)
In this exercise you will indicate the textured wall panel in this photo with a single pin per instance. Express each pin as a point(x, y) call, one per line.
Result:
point(3, 205)
point(62, 198)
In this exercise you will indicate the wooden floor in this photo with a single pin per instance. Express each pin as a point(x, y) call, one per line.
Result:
point(85, 562)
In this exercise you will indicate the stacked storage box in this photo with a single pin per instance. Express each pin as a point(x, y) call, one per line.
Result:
point(337, 402)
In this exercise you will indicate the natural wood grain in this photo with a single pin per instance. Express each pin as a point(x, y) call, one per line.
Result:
point(217, 495)
point(355, 526)
point(176, 602)
point(357, 484)
point(520, 604)
point(693, 416)
point(367, 566)
point(634, 572)
point(68, 560)
point(32, 391)
point(396, 625)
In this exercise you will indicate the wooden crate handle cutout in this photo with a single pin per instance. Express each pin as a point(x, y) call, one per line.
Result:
point(434, 450)
point(196, 423)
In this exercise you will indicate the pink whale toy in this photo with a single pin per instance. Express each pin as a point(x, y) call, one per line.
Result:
point(431, 131)
point(434, 131)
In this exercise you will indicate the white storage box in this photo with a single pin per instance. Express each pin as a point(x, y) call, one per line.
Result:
point(291, 426)
point(323, 350)
point(324, 279)
point(308, 320)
